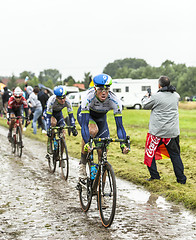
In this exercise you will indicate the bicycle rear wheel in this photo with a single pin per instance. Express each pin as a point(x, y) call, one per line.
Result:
point(19, 142)
point(85, 190)
point(52, 158)
point(107, 195)
point(64, 160)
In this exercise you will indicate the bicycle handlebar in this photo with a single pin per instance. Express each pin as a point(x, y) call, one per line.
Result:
point(18, 117)
point(108, 140)
point(64, 127)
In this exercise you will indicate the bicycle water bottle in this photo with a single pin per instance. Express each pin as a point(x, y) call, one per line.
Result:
point(55, 144)
point(94, 168)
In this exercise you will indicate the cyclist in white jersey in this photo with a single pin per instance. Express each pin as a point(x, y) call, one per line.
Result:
point(93, 119)
point(53, 112)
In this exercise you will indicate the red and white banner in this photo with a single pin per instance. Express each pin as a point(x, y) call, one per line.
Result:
point(152, 149)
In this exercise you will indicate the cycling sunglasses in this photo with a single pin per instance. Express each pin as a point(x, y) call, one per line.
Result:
point(106, 89)
point(18, 97)
point(62, 97)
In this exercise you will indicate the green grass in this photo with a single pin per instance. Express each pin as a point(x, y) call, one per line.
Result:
point(131, 166)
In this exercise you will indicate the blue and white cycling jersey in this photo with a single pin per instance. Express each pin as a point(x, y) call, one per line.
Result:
point(92, 109)
point(53, 108)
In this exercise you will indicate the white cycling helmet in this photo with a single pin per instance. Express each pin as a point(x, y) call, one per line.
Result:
point(18, 92)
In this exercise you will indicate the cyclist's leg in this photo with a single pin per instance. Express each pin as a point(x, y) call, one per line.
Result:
point(13, 113)
point(93, 130)
point(103, 132)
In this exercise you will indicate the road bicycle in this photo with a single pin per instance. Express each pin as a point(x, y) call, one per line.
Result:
point(100, 181)
point(16, 139)
point(57, 151)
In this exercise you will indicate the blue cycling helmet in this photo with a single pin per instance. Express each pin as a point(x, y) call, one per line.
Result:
point(60, 91)
point(102, 80)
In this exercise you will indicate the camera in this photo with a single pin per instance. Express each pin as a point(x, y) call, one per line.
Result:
point(149, 91)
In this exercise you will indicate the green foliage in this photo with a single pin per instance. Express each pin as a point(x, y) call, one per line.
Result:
point(26, 73)
point(183, 78)
point(87, 79)
point(129, 63)
point(49, 74)
point(70, 81)
point(12, 83)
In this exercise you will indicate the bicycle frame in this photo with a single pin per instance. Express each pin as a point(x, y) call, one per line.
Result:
point(17, 137)
point(105, 142)
point(58, 151)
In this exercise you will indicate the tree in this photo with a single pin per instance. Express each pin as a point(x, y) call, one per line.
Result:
point(127, 63)
point(50, 74)
point(26, 73)
point(87, 79)
point(69, 81)
point(12, 83)
point(187, 83)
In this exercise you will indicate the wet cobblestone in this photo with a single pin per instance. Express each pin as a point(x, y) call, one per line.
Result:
point(35, 204)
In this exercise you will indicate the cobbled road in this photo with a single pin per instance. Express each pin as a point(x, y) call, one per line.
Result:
point(35, 204)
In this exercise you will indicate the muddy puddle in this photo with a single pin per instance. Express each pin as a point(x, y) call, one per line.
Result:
point(35, 204)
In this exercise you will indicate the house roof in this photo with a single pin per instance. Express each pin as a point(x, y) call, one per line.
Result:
point(79, 85)
point(18, 81)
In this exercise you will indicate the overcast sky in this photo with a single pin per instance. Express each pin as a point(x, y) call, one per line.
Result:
point(78, 36)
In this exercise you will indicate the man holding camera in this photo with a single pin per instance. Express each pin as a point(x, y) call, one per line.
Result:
point(163, 128)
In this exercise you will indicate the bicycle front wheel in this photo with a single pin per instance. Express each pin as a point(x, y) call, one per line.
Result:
point(19, 142)
point(64, 160)
point(85, 190)
point(107, 195)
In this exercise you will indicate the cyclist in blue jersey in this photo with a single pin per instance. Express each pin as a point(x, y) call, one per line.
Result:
point(93, 120)
point(53, 112)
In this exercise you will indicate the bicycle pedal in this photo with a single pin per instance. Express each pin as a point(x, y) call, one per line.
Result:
point(47, 156)
point(78, 187)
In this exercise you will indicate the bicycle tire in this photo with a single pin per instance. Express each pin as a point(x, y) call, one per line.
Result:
point(19, 142)
point(13, 143)
point(85, 191)
point(52, 159)
point(64, 160)
point(107, 194)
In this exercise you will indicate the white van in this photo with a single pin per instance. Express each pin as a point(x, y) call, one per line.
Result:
point(131, 91)
point(75, 98)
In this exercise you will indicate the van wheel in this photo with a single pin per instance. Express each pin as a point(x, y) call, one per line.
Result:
point(137, 106)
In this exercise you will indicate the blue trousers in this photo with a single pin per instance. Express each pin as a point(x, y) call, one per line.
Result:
point(173, 149)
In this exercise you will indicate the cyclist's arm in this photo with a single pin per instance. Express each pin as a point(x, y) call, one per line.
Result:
point(84, 126)
point(71, 118)
point(48, 119)
point(70, 112)
point(119, 125)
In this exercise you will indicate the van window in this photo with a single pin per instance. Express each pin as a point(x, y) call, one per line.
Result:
point(72, 97)
point(116, 90)
point(144, 88)
point(126, 89)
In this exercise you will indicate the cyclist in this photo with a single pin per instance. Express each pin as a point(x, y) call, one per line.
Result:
point(14, 109)
point(53, 112)
point(92, 117)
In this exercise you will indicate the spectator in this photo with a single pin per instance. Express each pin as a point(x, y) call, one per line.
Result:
point(163, 128)
point(5, 97)
point(43, 98)
point(35, 104)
